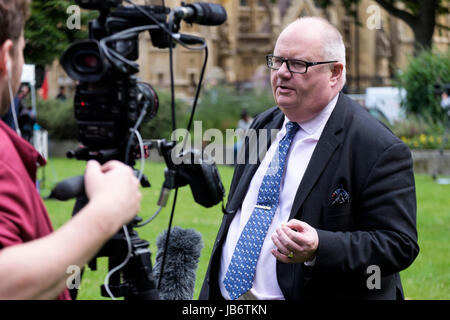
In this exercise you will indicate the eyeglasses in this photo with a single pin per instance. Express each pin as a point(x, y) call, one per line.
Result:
point(293, 65)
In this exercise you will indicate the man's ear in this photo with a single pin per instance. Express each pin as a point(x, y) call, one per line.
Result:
point(336, 72)
point(5, 58)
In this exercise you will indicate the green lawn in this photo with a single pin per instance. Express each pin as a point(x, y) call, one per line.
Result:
point(427, 278)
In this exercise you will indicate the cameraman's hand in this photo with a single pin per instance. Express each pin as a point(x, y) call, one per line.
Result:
point(114, 191)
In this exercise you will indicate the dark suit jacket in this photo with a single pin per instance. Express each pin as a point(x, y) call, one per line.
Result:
point(377, 226)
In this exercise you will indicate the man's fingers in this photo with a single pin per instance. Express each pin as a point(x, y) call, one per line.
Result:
point(299, 229)
point(92, 171)
point(281, 257)
point(297, 225)
point(110, 165)
point(281, 248)
point(289, 238)
point(93, 166)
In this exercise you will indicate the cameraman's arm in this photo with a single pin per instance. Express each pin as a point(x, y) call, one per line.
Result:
point(37, 269)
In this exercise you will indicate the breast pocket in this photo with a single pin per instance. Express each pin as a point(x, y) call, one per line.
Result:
point(338, 218)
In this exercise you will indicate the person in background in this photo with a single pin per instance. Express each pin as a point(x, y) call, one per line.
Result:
point(243, 125)
point(19, 105)
point(445, 100)
point(61, 94)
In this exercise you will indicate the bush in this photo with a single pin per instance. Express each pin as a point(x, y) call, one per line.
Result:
point(420, 132)
point(57, 118)
point(424, 141)
point(415, 125)
point(217, 108)
point(221, 106)
point(161, 125)
point(430, 67)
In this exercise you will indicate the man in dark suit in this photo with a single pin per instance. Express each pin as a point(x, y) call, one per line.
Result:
point(343, 222)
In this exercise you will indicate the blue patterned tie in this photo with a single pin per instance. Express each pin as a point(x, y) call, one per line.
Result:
point(241, 271)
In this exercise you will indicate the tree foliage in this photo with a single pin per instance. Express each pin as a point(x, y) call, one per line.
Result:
point(46, 31)
point(420, 15)
point(419, 78)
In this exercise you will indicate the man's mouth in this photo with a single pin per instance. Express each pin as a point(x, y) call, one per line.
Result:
point(282, 88)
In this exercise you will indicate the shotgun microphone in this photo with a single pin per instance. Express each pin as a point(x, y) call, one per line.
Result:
point(207, 14)
point(181, 262)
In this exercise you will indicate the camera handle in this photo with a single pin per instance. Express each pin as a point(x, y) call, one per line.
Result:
point(138, 283)
point(135, 280)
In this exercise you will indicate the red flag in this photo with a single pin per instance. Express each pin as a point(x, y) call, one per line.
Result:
point(44, 89)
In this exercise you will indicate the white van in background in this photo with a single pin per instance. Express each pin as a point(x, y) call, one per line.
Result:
point(385, 101)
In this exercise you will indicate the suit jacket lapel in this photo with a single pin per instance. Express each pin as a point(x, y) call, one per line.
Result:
point(326, 146)
point(329, 141)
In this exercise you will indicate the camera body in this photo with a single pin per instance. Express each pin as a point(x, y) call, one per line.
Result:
point(108, 96)
point(110, 103)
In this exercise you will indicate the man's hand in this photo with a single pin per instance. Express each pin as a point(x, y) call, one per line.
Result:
point(296, 239)
point(113, 189)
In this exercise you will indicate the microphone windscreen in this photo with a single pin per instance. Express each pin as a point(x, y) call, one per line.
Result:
point(179, 273)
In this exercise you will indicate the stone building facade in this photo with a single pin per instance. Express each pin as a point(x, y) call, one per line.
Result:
point(377, 44)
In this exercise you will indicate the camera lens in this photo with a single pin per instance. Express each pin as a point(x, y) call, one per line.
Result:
point(90, 61)
point(147, 95)
point(87, 63)
point(83, 61)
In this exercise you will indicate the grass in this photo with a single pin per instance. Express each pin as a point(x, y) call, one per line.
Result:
point(427, 278)
point(429, 275)
point(188, 214)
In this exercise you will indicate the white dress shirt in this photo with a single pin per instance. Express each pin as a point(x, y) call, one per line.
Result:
point(265, 283)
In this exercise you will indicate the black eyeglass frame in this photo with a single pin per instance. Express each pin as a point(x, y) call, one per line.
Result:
point(283, 60)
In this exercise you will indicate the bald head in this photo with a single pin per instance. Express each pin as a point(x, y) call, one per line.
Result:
point(329, 44)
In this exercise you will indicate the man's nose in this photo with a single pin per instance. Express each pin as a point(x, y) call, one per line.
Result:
point(283, 71)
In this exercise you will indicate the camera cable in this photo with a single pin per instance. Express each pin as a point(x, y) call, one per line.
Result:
point(120, 266)
point(13, 105)
point(176, 167)
point(174, 36)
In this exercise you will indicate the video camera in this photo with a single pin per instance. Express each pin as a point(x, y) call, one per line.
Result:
point(109, 99)
point(110, 105)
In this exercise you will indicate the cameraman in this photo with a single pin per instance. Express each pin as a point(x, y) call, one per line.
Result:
point(33, 258)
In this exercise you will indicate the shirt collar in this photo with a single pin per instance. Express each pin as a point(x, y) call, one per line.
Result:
point(27, 153)
point(314, 127)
